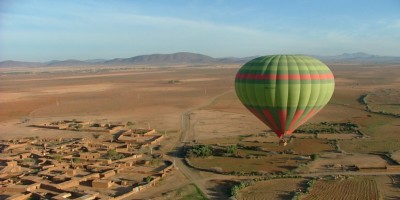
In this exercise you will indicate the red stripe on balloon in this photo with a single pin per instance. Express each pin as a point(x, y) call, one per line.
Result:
point(308, 116)
point(295, 118)
point(268, 115)
point(282, 119)
point(284, 76)
point(258, 115)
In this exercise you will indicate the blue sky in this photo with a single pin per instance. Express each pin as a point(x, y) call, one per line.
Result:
point(42, 30)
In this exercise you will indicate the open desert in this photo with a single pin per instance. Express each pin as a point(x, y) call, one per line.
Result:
point(198, 106)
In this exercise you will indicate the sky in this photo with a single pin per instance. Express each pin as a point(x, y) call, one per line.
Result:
point(43, 30)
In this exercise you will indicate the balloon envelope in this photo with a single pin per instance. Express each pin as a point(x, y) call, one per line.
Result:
point(284, 91)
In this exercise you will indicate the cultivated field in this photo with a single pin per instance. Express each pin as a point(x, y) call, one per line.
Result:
point(354, 188)
point(272, 189)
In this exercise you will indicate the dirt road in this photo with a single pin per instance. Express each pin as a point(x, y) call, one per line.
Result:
point(186, 135)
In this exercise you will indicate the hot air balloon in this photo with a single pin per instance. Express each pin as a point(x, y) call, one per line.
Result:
point(284, 91)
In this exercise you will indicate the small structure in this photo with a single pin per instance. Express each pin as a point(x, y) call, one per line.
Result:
point(89, 156)
point(102, 183)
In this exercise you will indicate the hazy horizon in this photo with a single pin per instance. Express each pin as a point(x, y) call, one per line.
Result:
point(59, 30)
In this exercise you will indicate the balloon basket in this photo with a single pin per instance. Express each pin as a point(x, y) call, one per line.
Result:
point(282, 142)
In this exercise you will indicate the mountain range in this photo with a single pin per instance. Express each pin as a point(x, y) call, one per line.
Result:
point(191, 59)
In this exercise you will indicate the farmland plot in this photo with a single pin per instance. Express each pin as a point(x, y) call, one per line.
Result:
point(356, 188)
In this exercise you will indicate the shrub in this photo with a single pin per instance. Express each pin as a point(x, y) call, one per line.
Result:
point(114, 155)
point(96, 125)
point(57, 157)
point(231, 149)
point(96, 135)
point(148, 179)
point(76, 160)
point(314, 156)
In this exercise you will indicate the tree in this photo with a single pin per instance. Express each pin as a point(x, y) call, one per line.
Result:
point(314, 156)
point(148, 179)
point(96, 135)
point(231, 149)
point(76, 160)
point(114, 155)
point(96, 125)
point(57, 157)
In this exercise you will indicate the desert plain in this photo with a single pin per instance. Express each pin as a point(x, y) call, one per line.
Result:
point(197, 105)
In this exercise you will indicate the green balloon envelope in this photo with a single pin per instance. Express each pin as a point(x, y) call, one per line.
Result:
point(284, 91)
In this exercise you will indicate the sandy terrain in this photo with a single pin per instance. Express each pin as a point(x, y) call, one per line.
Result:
point(207, 124)
point(147, 98)
point(396, 156)
point(144, 97)
point(335, 159)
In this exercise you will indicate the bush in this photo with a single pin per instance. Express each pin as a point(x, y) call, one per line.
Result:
point(236, 188)
point(231, 149)
point(96, 125)
point(148, 179)
point(57, 157)
point(314, 156)
point(96, 135)
point(309, 186)
point(76, 160)
point(296, 196)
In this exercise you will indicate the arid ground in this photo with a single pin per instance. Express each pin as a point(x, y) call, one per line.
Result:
point(199, 105)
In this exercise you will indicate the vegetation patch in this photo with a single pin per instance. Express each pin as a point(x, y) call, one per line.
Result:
point(329, 127)
point(255, 158)
point(113, 155)
point(173, 81)
point(298, 146)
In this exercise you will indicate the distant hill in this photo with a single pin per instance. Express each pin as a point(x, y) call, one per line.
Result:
point(175, 58)
point(193, 59)
point(360, 57)
point(11, 63)
point(59, 63)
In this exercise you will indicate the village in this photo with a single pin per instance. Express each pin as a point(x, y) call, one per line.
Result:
point(82, 168)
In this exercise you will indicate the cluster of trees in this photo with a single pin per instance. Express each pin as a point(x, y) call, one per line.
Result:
point(329, 127)
point(173, 81)
point(208, 150)
point(200, 151)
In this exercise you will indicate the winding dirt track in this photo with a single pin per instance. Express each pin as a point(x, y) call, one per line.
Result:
point(186, 135)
